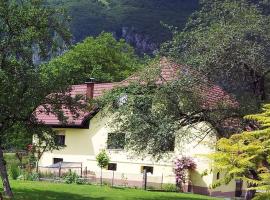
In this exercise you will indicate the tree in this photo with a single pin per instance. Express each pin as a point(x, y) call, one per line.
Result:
point(103, 161)
point(151, 109)
point(228, 41)
point(114, 60)
point(24, 25)
point(27, 28)
point(245, 156)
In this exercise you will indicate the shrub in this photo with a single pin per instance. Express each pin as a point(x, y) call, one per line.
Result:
point(71, 177)
point(14, 171)
point(169, 187)
point(81, 181)
point(181, 170)
point(34, 176)
point(47, 174)
point(29, 176)
point(262, 196)
point(107, 183)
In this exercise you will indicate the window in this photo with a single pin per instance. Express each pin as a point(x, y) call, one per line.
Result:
point(238, 188)
point(116, 141)
point(168, 144)
point(218, 175)
point(57, 160)
point(171, 144)
point(112, 166)
point(148, 169)
point(122, 99)
point(60, 140)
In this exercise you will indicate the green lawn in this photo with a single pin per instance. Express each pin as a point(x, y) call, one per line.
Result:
point(25, 190)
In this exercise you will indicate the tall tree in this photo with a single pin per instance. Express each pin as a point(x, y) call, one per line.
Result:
point(31, 27)
point(229, 42)
point(24, 26)
point(226, 43)
point(151, 108)
point(245, 156)
point(113, 60)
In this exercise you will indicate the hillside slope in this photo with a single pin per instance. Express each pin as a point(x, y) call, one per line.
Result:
point(138, 21)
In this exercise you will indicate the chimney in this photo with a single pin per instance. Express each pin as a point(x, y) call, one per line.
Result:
point(90, 88)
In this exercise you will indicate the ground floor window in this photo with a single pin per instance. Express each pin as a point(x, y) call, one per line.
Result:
point(218, 175)
point(148, 169)
point(112, 166)
point(238, 188)
point(57, 160)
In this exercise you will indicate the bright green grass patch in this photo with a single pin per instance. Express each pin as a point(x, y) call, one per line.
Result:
point(25, 190)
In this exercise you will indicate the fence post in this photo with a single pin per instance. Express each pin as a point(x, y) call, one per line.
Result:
point(112, 177)
point(59, 172)
point(81, 171)
point(145, 179)
point(101, 176)
point(161, 185)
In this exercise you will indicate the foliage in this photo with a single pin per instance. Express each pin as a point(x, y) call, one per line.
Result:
point(182, 167)
point(245, 156)
point(103, 159)
point(30, 28)
point(26, 28)
point(228, 41)
point(29, 176)
point(71, 177)
point(116, 141)
point(153, 109)
point(168, 187)
point(262, 196)
point(103, 58)
point(91, 17)
point(14, 171)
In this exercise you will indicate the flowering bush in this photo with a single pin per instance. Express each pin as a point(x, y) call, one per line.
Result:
point(181, 170)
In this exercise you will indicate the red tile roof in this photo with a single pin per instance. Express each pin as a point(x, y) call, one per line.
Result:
point(213, 94)
point(51, 119)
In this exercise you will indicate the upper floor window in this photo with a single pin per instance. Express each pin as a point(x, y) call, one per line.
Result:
point(60, 139)
point(171, 144)
point(121, 100)
point(116, 141)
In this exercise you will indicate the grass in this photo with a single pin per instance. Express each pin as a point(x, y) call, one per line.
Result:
point(26, 190)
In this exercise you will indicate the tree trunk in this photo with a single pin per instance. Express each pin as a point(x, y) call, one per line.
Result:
point(259, 85)
point(101, 176)
point(4, 176)
point(250, 194)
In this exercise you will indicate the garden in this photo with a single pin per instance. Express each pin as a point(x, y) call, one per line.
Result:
point(26, 185)
point(31, 190)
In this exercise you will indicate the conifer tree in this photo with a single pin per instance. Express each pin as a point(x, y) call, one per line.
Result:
point(246, 156)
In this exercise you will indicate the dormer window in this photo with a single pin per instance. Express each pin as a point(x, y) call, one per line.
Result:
point(122, 99)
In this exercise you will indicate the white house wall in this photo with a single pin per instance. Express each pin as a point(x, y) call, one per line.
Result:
point(82, 145)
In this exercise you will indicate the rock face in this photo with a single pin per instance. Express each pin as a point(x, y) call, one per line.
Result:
point(141, 42)
point(137, 21)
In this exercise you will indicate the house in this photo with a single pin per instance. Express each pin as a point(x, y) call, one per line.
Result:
point(87, 135)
